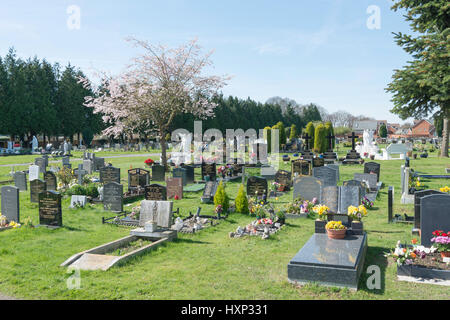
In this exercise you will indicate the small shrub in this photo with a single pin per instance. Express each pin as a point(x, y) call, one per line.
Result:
point(221, 197)
point(76, 190)
point(92, 191)
point(241, 201)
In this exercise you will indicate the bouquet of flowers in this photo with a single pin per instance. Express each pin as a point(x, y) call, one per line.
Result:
point(322, 211)
point(264, 221)
point(275, 186)
point(149, 162)
point(445, 189)
point(367, 203)
point(357, 213)
point(405, 256)
point(258, 209)
point(441, 241)
point(218, 209)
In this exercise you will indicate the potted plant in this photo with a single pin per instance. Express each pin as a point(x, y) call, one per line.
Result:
point(356, 214)
point(336, 230)
point(441, 242)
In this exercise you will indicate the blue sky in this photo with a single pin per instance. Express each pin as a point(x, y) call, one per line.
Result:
point(312, 51)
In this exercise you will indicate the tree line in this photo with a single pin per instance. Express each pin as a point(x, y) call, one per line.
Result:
point(38, 98)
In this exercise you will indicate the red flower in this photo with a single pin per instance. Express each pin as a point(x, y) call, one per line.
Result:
point(149, 162)
point(177, 197)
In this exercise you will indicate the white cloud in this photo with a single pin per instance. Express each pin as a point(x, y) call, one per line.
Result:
point(274, 49)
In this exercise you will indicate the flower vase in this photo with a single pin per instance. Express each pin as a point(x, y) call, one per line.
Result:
point(357, 227)
point(320, 226)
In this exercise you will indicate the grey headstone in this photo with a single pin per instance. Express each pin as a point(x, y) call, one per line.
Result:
point(78, 200)
point(336, 168)
point(88, 166)
point(418, 195)
point(349, 196)
point(370, 178)
point(435, 215)
point(326, 174)
point(268, 172)
point(36, 187)
point(210, 191)
point(180, 173)
point(113, 197)
point(158, 173)
point(10, 203)
point(109, 174)
point(20, 180)
point(330, 198)
point(50, 180)
point(308, 188)
point(372, 167)
point(163, 210)
point(357, 183)
point(190, 174)
point(40, 162)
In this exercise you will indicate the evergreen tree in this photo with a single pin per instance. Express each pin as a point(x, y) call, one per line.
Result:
point(268, 138)
point(221, 197)
point(320, 141)
point(294, 133)
point(310, 130)
point(241, 201)
point(383, 131)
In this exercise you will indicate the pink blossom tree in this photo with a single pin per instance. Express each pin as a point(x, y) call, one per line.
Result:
point(159, 85)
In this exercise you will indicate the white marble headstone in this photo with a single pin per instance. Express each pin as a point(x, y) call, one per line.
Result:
point(33, 172)
point(163, 211)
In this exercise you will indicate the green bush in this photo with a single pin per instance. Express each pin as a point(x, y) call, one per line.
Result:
point(76, 190)
point(268, 137)
point(293, 133)
point(92, 191)
point(221, 198)
point(241, 201)
point(320, 140)
point(310, 130)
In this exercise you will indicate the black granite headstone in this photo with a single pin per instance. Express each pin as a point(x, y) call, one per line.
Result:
point(326, 174)
point(113, 197)
point(209, 169)
point(435, 215)
point(372, 167)
point(418, 195)
point(158, 172)
point(138, 178)
point(156, 192)
point(50, 180)
point(257, 186)
point(36, 187)
point(50, 213)
point(109, 174)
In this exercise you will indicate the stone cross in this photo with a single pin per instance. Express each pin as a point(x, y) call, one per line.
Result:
point(353, 137)
point(307, 138)
point(80, 174)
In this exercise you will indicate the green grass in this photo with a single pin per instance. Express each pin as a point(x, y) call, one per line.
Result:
point(205, 265)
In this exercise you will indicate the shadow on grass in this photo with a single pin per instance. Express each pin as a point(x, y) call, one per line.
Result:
point(290, 225)
point(374, 257)
point(386, 232)
point(179, 240)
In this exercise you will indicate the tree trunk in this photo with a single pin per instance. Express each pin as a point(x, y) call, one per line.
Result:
point(445, 134)
point(163, 150)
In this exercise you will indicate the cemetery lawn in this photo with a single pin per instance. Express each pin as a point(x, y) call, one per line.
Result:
point(206, 265)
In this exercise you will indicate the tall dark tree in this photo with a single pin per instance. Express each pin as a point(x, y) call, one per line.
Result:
point(422, 86)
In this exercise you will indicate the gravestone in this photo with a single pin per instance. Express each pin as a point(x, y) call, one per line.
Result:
point(308, 188)
point(113, 197)
point(138, 178)
point(50, 213)
point(301, 168)
point(418, 195)
point(370, 178)
point(50, 180)
point(65, 161)
point(99, 163)
point(36, 187)
point(180, 173)
point(109, 174)
point(10, 203)
point(326, 174)
point(162, 209)
point(33, 172)
point(174, 188)
point(268, 172)
point(190, 174)
point(158, 172)
point(284, 178)
point(210, 191)
point(435, 215)
point(355, 183)
point(318, 162)
point(349, 196)
point(372, 167)
point(336, 168)
point(40, 162)
point(209, 169)
point(390, 203)
point(257, 186)
point(78, 201)
point(156, 192)
point(330, 198)
point(80, 173)
point(20, 180)
point(88, 166)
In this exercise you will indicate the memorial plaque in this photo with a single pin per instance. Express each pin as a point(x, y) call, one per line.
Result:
point(418, 195)
point(330, 198)
point(50, 213)
point(138, 178)
point(156, 192)
point(284, 178)
point(349, 196)
point(210, 191)
point(113, 197)
point(209, 169)
point(180, 173)
point(109, 174)
point(372, 167)
point(355, 183)
point(20, 180)
point(36, 187)
point(326, 174)
point(257, 186)
point(370, 178)
point(10, 204)
point(435, 215)
point(158, 172)
point(50, 180)
point(174, 188)
point(318, 162)
point(308, 188)
point(301, 168)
